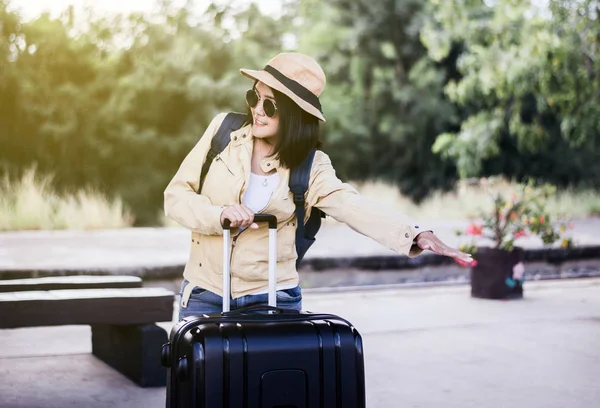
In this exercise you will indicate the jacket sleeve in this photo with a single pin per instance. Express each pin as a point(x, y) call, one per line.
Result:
point(182, 202)
point(341, 201)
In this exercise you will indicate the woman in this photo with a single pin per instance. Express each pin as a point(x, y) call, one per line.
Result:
point(251, 175)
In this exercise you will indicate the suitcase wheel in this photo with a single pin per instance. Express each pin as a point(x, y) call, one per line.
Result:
point(165, 355)
point(182, 369)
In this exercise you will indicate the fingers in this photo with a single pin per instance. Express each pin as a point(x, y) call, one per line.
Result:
point(248, 216)
point(435, 245)
point(456, 254)
point(249, 213)
point(460, 257)
point(233, 214)
point(239, 215)
point(466, 258)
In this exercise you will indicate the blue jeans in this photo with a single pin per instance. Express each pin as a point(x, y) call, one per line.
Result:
point(203, 301)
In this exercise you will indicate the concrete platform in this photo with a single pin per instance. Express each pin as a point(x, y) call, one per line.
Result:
point(424, 347)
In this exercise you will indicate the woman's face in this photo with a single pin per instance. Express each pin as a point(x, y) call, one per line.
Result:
point(264, 127)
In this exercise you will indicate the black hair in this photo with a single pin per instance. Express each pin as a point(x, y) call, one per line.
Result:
point(298, 131)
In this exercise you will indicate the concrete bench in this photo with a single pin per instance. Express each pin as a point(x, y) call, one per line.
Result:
point(124, 333)
point(71, 282)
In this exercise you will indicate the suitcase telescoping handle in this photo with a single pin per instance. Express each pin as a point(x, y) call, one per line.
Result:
point(272, 221)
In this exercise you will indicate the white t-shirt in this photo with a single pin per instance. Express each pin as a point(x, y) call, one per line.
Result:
point(259, 191)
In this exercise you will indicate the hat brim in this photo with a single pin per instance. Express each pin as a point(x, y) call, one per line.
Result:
point(272, 82)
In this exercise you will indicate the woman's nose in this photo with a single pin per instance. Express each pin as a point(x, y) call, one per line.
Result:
point(259, 108)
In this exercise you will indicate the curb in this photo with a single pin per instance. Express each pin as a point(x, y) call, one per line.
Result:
point(552, 256)
point(549, 255)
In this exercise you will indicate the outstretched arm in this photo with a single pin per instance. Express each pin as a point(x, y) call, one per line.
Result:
point(380, 222)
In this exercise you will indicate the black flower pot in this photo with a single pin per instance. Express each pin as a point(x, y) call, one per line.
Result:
point(492, 277)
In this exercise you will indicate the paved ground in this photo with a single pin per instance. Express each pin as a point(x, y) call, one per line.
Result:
point(427, 347)
point(155, 247)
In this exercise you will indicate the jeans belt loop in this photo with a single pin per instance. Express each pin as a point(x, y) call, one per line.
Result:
point(185, 296)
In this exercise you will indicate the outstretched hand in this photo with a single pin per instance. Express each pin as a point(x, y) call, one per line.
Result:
point(428, 241)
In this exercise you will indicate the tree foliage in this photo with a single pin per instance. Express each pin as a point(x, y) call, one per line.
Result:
point(384, 95)
point(497, 87)
point(119, 104)
point(529, 87)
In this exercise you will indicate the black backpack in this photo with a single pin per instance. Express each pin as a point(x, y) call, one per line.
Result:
point(299, 178)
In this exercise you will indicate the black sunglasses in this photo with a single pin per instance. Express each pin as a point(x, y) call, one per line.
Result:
point(269, 107)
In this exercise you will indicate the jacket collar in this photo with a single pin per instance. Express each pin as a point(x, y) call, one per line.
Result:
point(243, 137)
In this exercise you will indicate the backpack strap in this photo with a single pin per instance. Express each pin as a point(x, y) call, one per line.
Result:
point(233, 121)
point(305, 233)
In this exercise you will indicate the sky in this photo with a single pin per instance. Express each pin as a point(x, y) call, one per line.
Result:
point(29, 9)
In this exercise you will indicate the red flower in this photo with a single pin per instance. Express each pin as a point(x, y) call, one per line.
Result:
point(542, 219)
point(475, 229)
point(518, 234)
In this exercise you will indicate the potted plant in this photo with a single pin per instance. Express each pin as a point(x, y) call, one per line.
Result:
point(497, 271)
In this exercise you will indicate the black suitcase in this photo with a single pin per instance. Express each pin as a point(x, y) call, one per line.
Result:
point(263, 356)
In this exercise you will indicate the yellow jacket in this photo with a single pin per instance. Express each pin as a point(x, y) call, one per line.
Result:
point(226, 183)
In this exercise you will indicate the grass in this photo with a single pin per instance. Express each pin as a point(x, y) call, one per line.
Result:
point(31, 203)
point(470, 197)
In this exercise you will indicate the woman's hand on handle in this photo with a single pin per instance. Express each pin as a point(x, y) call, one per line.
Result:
point(428, 241)
point(239, 215)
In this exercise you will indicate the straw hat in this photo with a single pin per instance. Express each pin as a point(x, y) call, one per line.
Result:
point(296, 75)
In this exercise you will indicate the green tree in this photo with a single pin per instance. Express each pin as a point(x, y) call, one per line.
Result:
point(384, 95)
point(116, 102)
point(179, 75)
point(529, 90)
point(11, 46)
